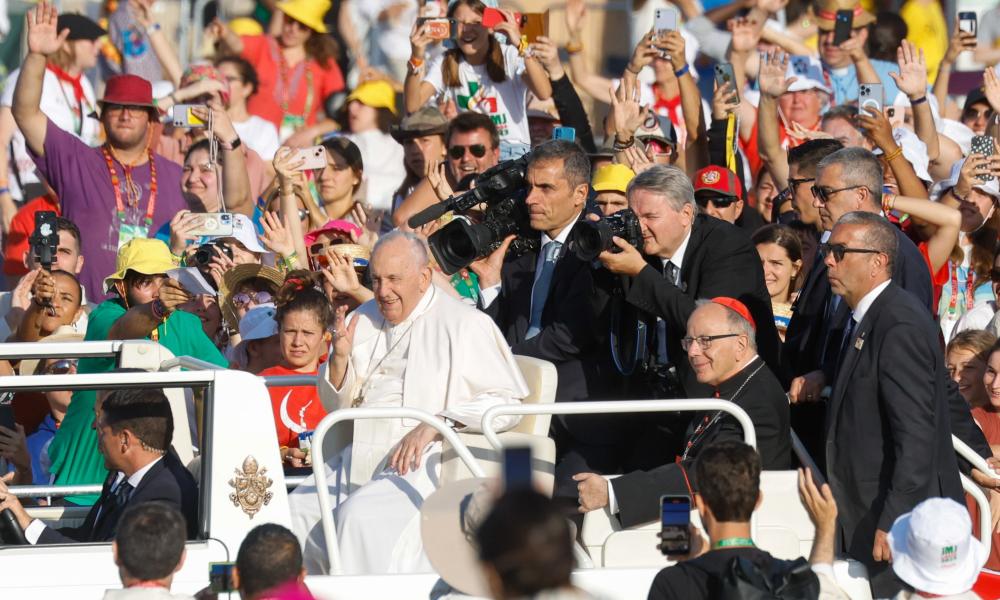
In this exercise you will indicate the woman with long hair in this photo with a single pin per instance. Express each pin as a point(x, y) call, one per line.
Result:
point(780, 252)
point(297, 68)
point(965, 359)
point(480, 74)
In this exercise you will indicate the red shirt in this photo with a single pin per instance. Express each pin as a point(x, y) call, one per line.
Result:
point(297, 406)
point(16, 244)
point(303, 87)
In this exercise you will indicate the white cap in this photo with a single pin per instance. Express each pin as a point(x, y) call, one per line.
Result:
point(812, 78)
point(991, 187)
point(933, 549)
point(244, 232)
point(259, 323)
point(958, 132)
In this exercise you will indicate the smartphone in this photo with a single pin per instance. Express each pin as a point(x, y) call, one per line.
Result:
point(440, 28)
point(675, 521)
point(220, 577)
point(665, 20)
point(842, 25)
point(44, 239)
point(968, 22)
point(564, 133)
point(724, 74)
point(535, 25)
point(870, 95)
point(516, 467)
point(492, 17)
point(214, 224)
point(7, 411)
point(314, 157)
point(800, 65)
point(184, 118)
point(983, 144)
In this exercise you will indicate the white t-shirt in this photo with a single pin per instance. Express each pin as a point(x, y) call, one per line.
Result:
point(384, 170)
point(260, 135)
point(505, 103)
point(59, 105)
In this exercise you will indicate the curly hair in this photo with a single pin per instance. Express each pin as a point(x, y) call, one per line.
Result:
point(302, 291)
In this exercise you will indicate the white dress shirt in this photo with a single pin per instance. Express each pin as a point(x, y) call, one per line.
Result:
point(866, 301)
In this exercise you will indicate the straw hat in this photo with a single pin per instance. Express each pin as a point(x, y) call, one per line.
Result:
point(826, 13)
point(308, 12)
point(65, 333)
point(232, 280)
point(448, 521)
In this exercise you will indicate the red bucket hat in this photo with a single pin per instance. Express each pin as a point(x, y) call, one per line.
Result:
point(128, 90)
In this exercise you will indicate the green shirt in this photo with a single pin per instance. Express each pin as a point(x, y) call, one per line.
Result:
point(73, 452)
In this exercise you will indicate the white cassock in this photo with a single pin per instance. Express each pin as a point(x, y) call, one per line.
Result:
point(446, 358)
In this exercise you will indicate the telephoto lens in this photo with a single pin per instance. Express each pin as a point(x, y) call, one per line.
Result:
point(590, 238)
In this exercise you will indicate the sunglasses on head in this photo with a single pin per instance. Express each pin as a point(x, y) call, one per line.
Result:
point(457, 152)
point(717, 201)
point(840, 250)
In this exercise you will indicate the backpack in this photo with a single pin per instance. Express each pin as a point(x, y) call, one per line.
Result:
point(782, 580)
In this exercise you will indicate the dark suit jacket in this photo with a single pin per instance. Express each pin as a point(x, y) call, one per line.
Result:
point(719, 260)
point(575, 324)
point(762, 398)
point(167, 481)
point(888, 444)
point(809, 336)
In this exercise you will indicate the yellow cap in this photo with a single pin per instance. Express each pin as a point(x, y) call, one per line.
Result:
point(142, 255)
point(376, 94)
point(308, 12)
point(612, 178)
point(245, 26)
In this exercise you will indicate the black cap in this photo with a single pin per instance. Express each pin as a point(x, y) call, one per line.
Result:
point(975, 95)
point(80, 27)
point(346, 148)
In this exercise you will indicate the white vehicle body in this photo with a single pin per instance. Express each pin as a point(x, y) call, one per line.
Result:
point(240, 444)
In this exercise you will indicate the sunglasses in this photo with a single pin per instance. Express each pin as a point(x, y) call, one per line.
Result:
point(793, 184)
point(60, 367)
point(319, 248)
point(970, 114)
point(457, 152)
point(717, 201)
point(823, 193)
point(244, 298)
point(840, 250)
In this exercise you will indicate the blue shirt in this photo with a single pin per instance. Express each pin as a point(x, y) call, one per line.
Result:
point(845, 86)
point(36, 444)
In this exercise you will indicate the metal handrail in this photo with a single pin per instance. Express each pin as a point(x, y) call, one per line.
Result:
point(95, 381)
point(33, 350)
point(985, 520)
point(38, 491)
point(617, 406)
point(350, 414)
point(190, 363)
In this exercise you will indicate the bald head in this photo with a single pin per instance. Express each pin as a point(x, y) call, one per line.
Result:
point(401, 274)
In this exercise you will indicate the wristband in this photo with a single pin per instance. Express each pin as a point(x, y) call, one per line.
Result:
point(158, 309)
point(682, 71)
point(918, 101)
point(4, 190)
point(894, 154)
point(622, 146)
point(231, 145)
point(628, 68)
point(955, 194)
point(416, 66)
point(572, 48)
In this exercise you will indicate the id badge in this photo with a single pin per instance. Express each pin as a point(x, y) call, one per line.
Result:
point(128, 232)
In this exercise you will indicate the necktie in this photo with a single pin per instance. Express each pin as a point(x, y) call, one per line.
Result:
point(670, 272)
point(541, 289)
point(846, 342)
point(122, 494)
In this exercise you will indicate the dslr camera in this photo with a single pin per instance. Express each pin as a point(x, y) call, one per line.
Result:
point(590, 238)
point(205, 253)
point(463, 240)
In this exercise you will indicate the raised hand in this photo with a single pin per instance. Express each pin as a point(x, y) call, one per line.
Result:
point(420, 38)
point(286, 165)
point(181, 226)
point(877, 128)
point(991, 87)
point(912, 76)
point(509, 27)
point(746, 35)
point(643, 54)
point(436, 176)
point(340, 273)
point(43, 35)
point(626, 114)
point(771, 79)
point(673, 44)
point(276, 236)
point(548, 54)
point(725, 100)
point(370, 221)
point(140, 11)
point(343, 335)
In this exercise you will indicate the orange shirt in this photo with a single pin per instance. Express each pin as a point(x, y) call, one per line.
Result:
point(297, 406)
point(301, 89)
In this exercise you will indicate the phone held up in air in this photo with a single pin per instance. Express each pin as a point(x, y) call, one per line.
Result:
point(842, 24)
point(564, 133)
point(983, 144)
point(7, 411)
point(724, 74)
point(516, 468)
point(665, 21)
point(968, 22)
point(871, 96)
point(675, 521)
point(214, 224)
point(184, 117)
point(440, 28)
point(44, 239)
point(313, 157)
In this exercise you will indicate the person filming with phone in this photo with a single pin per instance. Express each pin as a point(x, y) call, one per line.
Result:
point(843, 33)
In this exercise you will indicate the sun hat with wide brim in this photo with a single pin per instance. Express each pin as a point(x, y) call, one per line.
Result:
point(448, 520)
point(143, 255)
point(235, 277)
point(308, 12)
point(65, 333)
point(376, 94)
point(826, 13)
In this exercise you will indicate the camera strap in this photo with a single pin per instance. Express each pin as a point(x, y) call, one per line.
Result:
point(637, 354)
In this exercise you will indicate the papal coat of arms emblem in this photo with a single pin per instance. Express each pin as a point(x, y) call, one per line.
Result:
point(251, 485)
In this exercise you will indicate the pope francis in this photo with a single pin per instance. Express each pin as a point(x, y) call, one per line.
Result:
point(413, 345)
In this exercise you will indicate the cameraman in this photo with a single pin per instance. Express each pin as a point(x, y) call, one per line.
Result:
point(547, 305)
point(687, 255)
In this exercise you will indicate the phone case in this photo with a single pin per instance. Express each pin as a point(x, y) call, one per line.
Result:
point(665, 20)
point(983, 144)
point(968, 22)
point(724, 74)
point(315, 158)
point(870, 96)
point(843, 22)
point(214, 224)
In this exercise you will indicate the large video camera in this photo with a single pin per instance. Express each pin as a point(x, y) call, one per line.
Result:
point(460, 242)
point(590, 238)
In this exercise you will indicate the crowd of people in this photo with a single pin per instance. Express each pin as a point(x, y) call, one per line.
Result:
point(792, 215)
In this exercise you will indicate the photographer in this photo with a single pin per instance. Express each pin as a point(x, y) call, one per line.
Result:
point(547, 305)
point(685, 256)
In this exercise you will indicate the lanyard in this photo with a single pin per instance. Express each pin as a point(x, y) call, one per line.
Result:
point(969, 292)
point(288, 86)
point(733, 542)
point(116, 185)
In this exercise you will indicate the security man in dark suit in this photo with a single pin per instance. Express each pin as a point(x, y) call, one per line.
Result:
point(888, 443)
point(134, 429)
point(687, 256)
point(721, 351)
point(548, 306)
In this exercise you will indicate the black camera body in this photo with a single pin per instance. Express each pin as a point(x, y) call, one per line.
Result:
point(44, 239)
point(204, 254)
point(590, 238)
point(462, 241)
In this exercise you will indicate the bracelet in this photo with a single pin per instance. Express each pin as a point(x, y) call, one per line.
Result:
point(158, 309)
point(888, 201)
point(682, 71)
point(231, 145)
point(622, 146)
point(289, 261)
point(955, 194)
point(918, 101)
point(416, 66)
point(574, 48)
point(628, 68)
point(894, 154)
point(4, 190)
